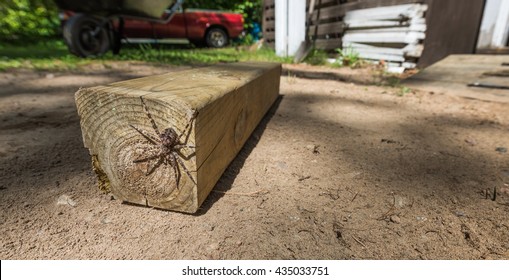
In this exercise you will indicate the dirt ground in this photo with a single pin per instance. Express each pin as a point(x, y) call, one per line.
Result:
point(338, 169)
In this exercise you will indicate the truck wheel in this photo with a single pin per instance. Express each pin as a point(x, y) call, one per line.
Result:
point(85, 36)
point(216, 38)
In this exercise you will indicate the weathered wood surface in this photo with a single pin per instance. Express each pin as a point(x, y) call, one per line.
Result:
point(453, 74)
point(230, 100)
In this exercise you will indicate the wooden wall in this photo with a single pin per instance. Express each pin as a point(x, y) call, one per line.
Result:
point(328, 15)
point(453, 28)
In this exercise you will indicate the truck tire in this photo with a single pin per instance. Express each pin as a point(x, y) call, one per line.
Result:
point(80, 38)
point(216, 38)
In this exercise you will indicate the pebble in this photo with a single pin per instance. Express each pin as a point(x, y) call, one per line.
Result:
point(213, 247)
point(281, 165)
point(50, 76)
point(501, 150)
point(106, 220)
point(208, 227)
point(66, 200)
point(459, 213)
point(421, 219)
point(471, 141)
point(294, 218)
point(399, 201)
point(395, 219)
point(503, 190)
point(313, 148)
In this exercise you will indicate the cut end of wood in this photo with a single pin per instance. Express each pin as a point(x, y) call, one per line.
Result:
point(127, 155)
point(164, 141)
point(102, 180)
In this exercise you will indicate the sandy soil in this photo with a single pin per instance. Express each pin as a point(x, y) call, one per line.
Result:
point(339, 169)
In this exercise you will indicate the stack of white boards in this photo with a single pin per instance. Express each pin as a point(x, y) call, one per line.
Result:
point(393, 34)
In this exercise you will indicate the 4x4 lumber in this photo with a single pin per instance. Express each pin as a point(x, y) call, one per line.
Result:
point(230, 101)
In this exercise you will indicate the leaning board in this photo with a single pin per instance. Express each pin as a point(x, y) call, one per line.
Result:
point(230, 101)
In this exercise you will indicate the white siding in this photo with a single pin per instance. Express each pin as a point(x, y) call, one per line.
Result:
point(290, 18)
point(495, 25)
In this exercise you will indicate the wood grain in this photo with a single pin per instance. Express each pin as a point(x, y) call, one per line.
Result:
point(230, 100)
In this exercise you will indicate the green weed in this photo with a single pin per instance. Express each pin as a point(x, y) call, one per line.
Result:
point(316, 57)
point(403, 91)
point(349, 57)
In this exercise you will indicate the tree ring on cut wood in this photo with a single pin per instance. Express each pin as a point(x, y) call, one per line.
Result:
point(159, 187)
point(159, 184)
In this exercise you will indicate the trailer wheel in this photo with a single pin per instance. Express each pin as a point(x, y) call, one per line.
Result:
point(216, 38)
point(85, 37)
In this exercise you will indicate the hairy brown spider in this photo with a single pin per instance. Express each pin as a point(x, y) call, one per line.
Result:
point(169, 143)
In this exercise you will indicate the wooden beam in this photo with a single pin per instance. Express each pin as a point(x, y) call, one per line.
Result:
point(341, 9)
point(365, 4)
point(325, 3)
point(380, 56)
point(335, 11)
point(375, 23)
point(411, 28)
point(387, 13)
point(410, 50)
point(386, 26)
point(328, 44)
point(230, 100)
point(269, 24)
point(328, 28)
point(384, 37)
point(268, 3)
point(269, 35)
point(269, 13)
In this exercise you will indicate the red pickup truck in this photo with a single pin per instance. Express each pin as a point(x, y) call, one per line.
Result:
point(213, 28)
point(93, 35)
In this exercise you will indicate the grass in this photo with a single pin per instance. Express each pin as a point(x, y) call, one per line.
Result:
point(317, 57)
point(41, 55)
point(53, 55)
point(346, 57)
point(349, 57)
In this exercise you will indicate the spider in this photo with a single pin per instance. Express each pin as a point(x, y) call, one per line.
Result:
point(169, 143)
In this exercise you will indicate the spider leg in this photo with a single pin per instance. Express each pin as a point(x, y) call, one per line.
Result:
point(147, 136)
point(154, 125)
point(147, 158)
point(180, 146)
point(158, 163)
point(184, 156)
point(173, 162)
point(177, 149)
point(185, 169)
point(177, 174)
point(188, 126)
